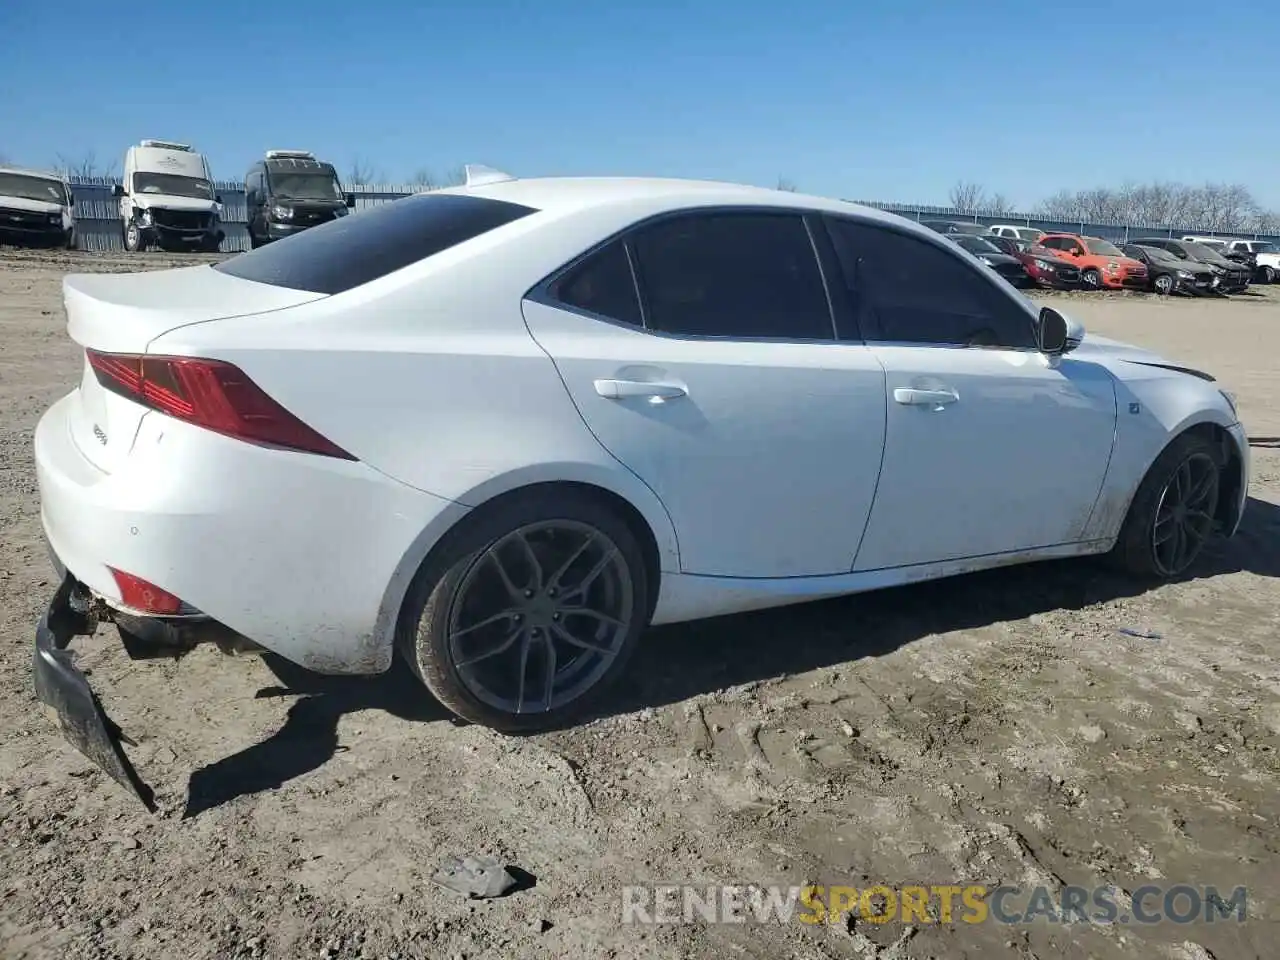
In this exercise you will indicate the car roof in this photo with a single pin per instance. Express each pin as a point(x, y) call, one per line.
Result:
point(648, 196)
point(29, 172)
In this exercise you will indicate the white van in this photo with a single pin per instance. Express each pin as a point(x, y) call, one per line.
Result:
point(1029, 234)
point(167, 199)
point(36, 207)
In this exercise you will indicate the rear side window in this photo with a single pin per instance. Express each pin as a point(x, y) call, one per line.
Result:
point(356, 249)
point(602, 284)
point(737, 275)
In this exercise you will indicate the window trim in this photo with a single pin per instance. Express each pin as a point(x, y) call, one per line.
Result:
point(542, 292)
point(869, 322)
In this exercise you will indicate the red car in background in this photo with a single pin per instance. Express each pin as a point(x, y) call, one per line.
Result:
point(1102, 264)
point(1046, 269)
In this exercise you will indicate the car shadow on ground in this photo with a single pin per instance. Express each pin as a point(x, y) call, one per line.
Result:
point(685, 660)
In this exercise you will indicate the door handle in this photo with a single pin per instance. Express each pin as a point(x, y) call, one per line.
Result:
point(623, 389)
point(925, 398)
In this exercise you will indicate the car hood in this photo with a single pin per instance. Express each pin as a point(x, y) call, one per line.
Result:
point(998, 259)
point(164, 201)
point(35, 206)
point(1048, 257)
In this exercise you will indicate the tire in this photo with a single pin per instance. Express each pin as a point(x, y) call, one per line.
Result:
point(1163, 284)
point(1266, 275)
point(211, 245)
point(254, 242)
point(1091, 279)
point(70, 241)
point(1136, 551)
point(444, 603)
point(134, 241)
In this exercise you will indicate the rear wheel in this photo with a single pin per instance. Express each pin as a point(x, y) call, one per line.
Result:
point(1164, 284)
point(1172, 514)
point(1091, 279)
point(529, 613)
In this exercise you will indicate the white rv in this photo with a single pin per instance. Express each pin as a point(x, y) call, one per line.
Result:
point(36, 207)
point(168, 199)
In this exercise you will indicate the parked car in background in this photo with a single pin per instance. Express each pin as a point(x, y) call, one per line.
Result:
point(1030, 234)
point(1169, 275)
point(955, 226)
point(36, 207)
point(1008, 266)
point(167, 199)
point(1043, 267)
point(1233, 277)
point(1222, 246)
point(289, 191)
point(1266, 257)
point(1102, 264)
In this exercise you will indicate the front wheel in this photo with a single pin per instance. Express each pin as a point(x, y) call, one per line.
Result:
point(134, 241)
point(1173, 513)
point(1164, 285)
point(1091, 279)
point(529, 613)
point(1266, 275)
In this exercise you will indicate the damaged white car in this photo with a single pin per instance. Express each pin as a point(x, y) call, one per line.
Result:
point(500, 429)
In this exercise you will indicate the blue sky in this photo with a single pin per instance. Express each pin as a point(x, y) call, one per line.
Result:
point(873, 99)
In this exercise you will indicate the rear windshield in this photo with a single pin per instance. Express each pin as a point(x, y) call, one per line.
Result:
point(356, 249)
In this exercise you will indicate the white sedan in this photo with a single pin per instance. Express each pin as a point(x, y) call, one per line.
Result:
point(501, 428)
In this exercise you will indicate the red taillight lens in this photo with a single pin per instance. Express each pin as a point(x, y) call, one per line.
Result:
point(211, 394)
point(143, 596)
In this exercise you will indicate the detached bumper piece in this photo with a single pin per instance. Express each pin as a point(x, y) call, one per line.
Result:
point(62, 686)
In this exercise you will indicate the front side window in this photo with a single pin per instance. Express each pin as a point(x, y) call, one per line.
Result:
point(913, 291)
point(172, 185)
point(742, 275)
point(351, 251)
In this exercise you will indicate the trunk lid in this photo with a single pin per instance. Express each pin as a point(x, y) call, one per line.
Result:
point(124, 313)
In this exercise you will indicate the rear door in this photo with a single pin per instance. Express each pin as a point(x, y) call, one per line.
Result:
point(700, 350)
point(991, 446)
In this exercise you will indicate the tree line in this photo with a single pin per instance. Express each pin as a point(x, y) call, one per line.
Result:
point(1209, 207)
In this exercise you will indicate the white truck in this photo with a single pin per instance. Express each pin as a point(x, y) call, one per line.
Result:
point(167, 199)
point(36, 207)
point(1029, 234)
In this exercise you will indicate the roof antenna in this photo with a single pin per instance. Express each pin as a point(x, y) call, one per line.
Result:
point(478, 174)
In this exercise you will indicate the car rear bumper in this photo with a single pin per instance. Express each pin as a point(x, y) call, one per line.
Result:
point(306, 556)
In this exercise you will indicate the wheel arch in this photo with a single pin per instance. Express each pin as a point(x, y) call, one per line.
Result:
point(1107, 523)
point(638, 506)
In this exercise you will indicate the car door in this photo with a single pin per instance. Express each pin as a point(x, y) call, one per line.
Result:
point(991, 446)
point(700, 350)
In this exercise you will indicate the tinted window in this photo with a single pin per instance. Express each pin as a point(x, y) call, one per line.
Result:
point(732, 275)
point(356, 249)
point(602, 284)
point(1054, 243)
point(915, 292)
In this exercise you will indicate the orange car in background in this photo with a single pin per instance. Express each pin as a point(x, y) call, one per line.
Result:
point(1102, 264)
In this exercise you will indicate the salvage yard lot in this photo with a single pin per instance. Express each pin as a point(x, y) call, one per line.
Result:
point(998, 727)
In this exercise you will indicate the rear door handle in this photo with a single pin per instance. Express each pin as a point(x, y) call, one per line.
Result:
point(623, 389)
point(924, 398)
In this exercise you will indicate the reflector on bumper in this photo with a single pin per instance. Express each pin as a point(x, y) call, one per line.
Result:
point(60, 684)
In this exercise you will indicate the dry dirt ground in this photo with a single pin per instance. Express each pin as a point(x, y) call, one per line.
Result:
point(994, 728)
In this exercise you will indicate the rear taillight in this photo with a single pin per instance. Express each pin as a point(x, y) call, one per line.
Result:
point(212, 394)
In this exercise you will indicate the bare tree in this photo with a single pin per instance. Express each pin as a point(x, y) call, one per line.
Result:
point(967, 197)
point(423, 178)
point(785, 184)
point(455, 177)
point(998, 203)
point(1210, 207)
point(85, 166)
point(362, 173)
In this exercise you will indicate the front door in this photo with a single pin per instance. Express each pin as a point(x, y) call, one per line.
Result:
point(726, 392)
point(991, 446)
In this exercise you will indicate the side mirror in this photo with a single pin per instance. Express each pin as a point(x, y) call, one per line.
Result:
point(217, 198)
point(1051, 332)
point(117, 190)
point(350, 199)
